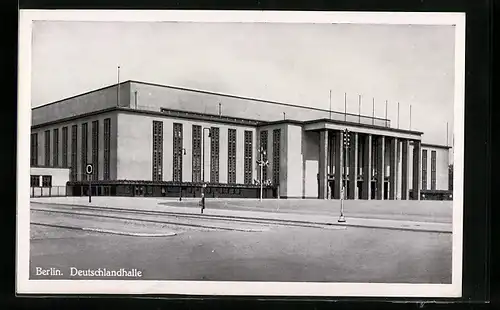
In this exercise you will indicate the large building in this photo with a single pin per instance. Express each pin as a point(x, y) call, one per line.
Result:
point(152, 140)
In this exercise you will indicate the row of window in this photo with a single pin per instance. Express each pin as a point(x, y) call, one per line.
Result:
point(197, 161)
point(424, 170)
point(46, 181)
point(53, 161)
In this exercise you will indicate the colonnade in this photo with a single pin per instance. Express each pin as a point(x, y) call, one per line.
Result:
point(377, 167)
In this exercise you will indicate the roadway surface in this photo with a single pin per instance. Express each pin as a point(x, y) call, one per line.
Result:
point(170, 240)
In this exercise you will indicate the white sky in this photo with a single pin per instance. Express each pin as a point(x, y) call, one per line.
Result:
point(294, 63)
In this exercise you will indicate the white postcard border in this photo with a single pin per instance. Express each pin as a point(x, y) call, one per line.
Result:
point(26, 286)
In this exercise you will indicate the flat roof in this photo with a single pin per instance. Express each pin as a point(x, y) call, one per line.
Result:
point(326, 120)
point(439, 146)
point(208, 93)
point(222, 119)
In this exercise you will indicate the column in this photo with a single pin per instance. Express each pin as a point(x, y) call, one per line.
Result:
point(392, 169)
point(398, 169)
point(404, 169)
point(339, 163)
point(416, 169)
point(367, 167)
point(380, 167)
point(353, 167)
point(323, 164)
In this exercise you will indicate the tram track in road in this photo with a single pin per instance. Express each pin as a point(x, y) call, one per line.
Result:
point(112, 211)
point(144, 220)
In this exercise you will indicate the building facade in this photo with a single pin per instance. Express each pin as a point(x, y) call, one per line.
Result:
point(153, 140)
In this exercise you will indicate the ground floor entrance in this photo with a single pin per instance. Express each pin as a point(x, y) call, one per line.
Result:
point(359, 191)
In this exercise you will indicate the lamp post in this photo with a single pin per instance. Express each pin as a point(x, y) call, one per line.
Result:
point(261, 164)
point(346, 145)
point(182, 152)
point(203, 165)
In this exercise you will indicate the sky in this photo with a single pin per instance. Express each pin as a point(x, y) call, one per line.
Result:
point(293, 63)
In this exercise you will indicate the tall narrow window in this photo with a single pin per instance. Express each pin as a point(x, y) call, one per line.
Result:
point(34, 149)
point(263, 146)
point(177, 152)
point(248, 156)
point(85, 144)
point(55, 151)
point(74, 145)
point(95, 150)
point(196, 153)
point(65, 147)
point(157, 151)
point(276, 156)
point(107, 148)
point(231, 156)
point(424, 169)
point(214, 155)
point(47, 148)
point(433, 170)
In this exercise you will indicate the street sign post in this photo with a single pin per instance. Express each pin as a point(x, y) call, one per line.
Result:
point(89, 170)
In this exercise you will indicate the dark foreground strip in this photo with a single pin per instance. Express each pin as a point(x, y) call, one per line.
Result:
point(250, 219)
point(140, 220)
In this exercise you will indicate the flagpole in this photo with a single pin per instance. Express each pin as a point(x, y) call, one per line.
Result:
point(330, 111)
point(345, 107)
point(118, 89)
point(447, 133)
point(359, 109)
point(410, 116)
point(386, 110)
point(373, 110)
point(398, 115)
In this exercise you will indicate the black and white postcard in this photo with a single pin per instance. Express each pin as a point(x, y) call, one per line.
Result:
point(240, 153)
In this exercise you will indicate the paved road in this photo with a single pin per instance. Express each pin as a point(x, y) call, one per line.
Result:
point(428, 211)
point(276, 253)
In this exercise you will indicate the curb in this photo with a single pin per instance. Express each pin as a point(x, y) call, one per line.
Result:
point(346, 224)
point(113, 232)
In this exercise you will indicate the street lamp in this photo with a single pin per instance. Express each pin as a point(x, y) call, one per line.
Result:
point(203, 162)
point(346, 145)
point(181, 152)
point(262, 163)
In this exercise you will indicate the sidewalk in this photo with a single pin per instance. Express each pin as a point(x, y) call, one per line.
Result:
point(161, 205)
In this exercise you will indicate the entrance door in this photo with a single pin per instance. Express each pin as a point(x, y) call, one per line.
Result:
point(373, 189)
point(359, 185)
point(386, 190)
point(331, 186)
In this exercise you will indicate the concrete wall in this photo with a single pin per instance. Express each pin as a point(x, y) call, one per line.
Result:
point(86, 103)
point(59, 175)
point(59, 178)
point(294, 159)
point(442, 162)
point(310, 151)
point(80, 174)
point(135, 146)
point(154, 97)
